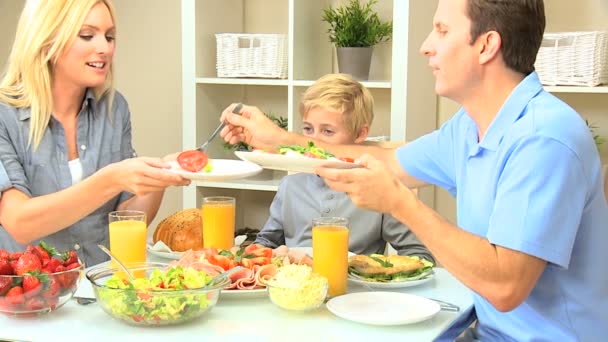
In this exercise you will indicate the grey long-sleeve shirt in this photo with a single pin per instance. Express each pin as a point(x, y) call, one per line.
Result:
point(302, 197)
point(102, 139)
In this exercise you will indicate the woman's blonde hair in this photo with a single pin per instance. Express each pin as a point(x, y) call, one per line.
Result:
point(343, 94)
point(46, 30)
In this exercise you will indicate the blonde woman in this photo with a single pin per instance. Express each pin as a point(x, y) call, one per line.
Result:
point(339, 110)
point(65, 134)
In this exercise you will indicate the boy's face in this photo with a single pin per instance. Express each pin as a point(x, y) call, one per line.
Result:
point(455, 62)
point(328, 126)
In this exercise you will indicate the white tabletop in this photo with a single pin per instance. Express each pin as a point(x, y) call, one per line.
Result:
point(239, 319)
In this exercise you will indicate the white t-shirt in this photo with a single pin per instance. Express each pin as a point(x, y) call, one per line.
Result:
point(76, 170)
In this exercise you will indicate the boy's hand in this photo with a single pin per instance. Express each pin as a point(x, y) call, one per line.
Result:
point(252, 127)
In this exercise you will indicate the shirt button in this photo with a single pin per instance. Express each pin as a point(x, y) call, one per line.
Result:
point(83, 147)
point(330, 196)
point(76, 247)
point(326, 210)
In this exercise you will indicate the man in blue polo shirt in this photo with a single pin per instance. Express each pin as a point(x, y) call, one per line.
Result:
point(532, 218)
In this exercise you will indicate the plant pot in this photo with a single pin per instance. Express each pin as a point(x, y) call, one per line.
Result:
point(355, 61)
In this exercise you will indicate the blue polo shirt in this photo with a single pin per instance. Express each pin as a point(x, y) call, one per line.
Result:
point(533, 184)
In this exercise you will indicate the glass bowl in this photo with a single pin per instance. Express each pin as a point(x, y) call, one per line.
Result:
point(21, 296)
point(304, 295)
point(151, 307)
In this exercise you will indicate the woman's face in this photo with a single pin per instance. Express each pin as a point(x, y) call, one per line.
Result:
point(87, 62)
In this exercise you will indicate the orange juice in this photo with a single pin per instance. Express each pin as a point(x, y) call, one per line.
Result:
point(330, 256)
point(218, 222)
point(128, 237)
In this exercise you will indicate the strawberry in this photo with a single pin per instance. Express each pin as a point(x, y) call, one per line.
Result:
point(6, 268)
point(69, 279)
point(50, 250)
point(14, 296)
point(15, 256)
point(35, 304)
point(5, 285)
point(33, 284)
point(52, 291)
point(4, 255)
point(43, 254)
point(69, 257)
point(51, 265)
point(26, 263)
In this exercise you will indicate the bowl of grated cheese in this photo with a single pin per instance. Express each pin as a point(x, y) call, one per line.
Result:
point(296, 287)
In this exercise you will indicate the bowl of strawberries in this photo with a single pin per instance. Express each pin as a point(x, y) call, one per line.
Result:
point(38, 280)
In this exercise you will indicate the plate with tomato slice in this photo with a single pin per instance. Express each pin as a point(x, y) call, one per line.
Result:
point(219, 170)
point(293, 162)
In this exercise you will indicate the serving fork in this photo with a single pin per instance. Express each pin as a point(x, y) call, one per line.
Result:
point(205, 145)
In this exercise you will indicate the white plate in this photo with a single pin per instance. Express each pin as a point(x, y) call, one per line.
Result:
point(165, 255)
point(391, 284)
point(243, 294)
point(383, 308)
point(282, 162)
point(223, 170)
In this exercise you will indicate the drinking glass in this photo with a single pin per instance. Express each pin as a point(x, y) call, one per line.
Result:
point(330, 252)
point(218, 222)
point(128, 236)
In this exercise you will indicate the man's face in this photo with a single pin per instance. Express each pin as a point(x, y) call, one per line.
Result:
point(454, 60)
point(328, 126)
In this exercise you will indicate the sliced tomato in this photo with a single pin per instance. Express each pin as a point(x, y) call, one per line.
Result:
point(247, 263)
point(221, 261)
point(251, 248)
point(347, 159)
point(262, 252)
point(260, 261)
point(192, 160)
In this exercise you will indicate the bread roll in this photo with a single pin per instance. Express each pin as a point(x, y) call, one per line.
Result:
point(181, 231)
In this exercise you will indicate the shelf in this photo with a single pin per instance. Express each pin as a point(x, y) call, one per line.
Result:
point(577, 89)
point(368, 84)
point(244, 184)
point(241, 81)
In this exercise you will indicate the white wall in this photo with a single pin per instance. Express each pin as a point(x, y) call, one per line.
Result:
point(148, 73)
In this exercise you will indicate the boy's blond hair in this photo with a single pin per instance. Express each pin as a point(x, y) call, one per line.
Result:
point(46, 30)
point(343, 94)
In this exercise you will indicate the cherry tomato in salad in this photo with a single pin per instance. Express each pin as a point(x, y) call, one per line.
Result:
point(192, 160)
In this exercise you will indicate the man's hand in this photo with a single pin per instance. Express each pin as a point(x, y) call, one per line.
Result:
point(372, 187)
point(252, 127)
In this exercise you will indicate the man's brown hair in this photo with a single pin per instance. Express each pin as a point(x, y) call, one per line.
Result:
point(520, 23)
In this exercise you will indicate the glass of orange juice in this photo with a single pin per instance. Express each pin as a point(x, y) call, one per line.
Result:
point(128, 236)
point(218, 222)
point(330, 252)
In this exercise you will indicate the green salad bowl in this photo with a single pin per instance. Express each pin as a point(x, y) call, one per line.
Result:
point(160, 295)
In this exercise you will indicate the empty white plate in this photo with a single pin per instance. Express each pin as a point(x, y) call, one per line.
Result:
point(383, 308)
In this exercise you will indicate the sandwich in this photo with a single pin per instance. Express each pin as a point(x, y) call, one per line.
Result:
point(382, 268)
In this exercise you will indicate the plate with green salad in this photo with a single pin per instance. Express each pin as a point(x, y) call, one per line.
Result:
point(296, 158)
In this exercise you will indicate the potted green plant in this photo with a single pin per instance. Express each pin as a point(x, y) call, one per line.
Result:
point(355, 29)
point(599, 140)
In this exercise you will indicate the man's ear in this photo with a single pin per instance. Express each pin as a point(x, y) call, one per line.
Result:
point(363, 132)
point(489, 46)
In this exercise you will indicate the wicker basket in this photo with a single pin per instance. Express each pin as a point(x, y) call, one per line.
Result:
point(251, 55)
point(573, 58)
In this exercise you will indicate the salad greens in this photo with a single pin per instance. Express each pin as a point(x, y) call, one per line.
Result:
point(310, 151)
point(154, 299)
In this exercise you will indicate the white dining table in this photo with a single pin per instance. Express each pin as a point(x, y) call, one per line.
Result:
point(240, 319)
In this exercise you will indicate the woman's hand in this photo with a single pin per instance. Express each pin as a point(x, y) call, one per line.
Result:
point(252, 127)
point(144, 175)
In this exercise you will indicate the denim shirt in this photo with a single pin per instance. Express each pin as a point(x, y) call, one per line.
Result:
point(302, 197)
point(101, 139)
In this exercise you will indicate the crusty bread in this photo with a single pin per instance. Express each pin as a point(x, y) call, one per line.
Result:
point(401, 264)
point(181, 231)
